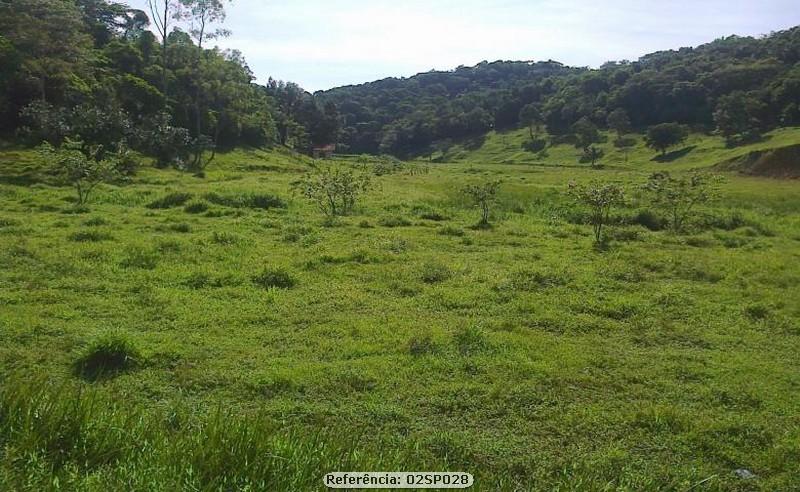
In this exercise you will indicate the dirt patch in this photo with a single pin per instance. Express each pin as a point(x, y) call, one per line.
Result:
point(783, 162)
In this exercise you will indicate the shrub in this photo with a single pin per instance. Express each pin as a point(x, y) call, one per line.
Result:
point(107, 355)
point(535, 145)
point(435, 272)
point(80, 167)
point(600, 198)
point(196, 207)
point(680, 196)
point(334, 190)
point(484, 196)
point(756, 311)
point(171, 200)
point(169, 144)
point(649, 220)
point(274, 278)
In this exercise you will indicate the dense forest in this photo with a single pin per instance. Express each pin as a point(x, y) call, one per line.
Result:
point(740, 86)
point(104, 74)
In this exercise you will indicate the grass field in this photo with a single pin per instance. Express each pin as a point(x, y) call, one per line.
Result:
point(268, 347)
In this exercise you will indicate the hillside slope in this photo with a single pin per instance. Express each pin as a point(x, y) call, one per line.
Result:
point(698, 151)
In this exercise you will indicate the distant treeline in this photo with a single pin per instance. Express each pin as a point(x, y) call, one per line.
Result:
point(739, 84)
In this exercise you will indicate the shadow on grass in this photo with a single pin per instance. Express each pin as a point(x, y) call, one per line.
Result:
point(675, 155)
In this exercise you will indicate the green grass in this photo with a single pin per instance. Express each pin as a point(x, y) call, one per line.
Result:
point(520, 354)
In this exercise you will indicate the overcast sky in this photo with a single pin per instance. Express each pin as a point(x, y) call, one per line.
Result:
point(327, 43)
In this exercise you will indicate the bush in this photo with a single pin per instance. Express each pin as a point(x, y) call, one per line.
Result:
point(649, 220)
point(274, 278)
point(106, 356)
point(600, 198)
point(435, 272)
point(484, 196)
point(80, 167)
point(535, 145)
point(171, 200)
point(334, 190)
point(679, 196)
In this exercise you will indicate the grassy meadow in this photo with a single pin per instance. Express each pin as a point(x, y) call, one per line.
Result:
point(264, 346)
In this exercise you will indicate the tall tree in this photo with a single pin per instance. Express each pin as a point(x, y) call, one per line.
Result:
point(50, 38)
point(202, 16)
point(163, 13)
point(666, 135)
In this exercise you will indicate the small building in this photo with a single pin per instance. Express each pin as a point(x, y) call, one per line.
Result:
point(324, 151)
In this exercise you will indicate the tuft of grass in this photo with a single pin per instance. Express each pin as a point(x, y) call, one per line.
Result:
point(395, 221)
point(139, 257)
point(224, 238)
point(196, 207)
point(470, 340)
point(419, 346)
point(276, 278)
point(451, 231)
point(170, 200)
point(181, 227)
point(89, 237)
point(258, 201)
point(106, 356)
point(95, 222)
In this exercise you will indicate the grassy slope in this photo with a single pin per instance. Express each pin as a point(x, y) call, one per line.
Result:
point(538, 361)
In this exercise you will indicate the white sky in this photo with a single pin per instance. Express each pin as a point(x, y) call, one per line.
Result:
point(327, 43)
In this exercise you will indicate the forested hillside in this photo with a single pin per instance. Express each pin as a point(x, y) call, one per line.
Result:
point(102, 73)
point(93, 70)
point(738, 85)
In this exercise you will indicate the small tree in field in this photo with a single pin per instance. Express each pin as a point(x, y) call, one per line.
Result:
point(593, 155)
point(679, 196)
point(81, 171)
point(666, 135)
point(334, 190)
point(484, 196)
point(600, 198)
